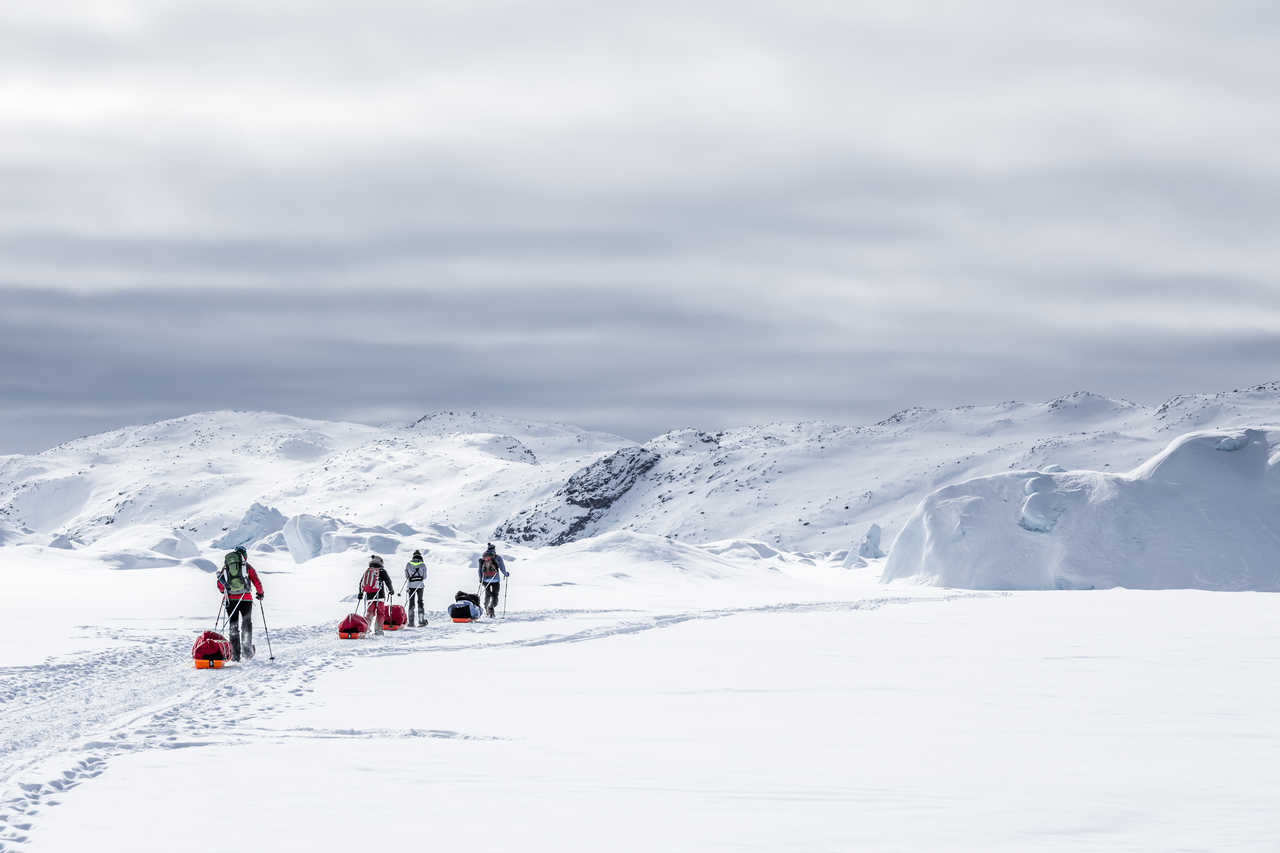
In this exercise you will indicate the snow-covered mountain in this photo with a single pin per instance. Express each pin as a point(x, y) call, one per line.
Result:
point(166, 492)
point(217, 476)
point(816, 487)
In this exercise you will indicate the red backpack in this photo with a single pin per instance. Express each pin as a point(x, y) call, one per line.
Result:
point(488, 569)
point(369, 583)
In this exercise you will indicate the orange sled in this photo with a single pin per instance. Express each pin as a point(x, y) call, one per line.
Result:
point(459, 619)
point(353, 627)
point(210, 650)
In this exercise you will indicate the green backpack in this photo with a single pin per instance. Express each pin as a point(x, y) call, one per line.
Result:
point(234, 579)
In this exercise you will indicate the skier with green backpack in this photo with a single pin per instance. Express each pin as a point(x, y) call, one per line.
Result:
point(233, 582)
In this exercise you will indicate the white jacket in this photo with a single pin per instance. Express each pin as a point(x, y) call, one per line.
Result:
point(414, 570)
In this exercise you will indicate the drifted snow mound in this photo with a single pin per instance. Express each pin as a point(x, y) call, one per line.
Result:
point(259, 522)
point(609, 552)
point(852, 560)
point(177, 544)
point(869, 547)
point(304, 535)
point(751, 549)
point(310, 536)
point(1203, 514)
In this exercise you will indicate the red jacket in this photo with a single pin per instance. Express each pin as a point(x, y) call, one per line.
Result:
point(244, 596)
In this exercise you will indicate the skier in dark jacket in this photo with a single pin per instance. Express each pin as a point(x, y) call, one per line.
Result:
point(492, 569)
point(375, 587)
point(415, 581)
point(233, 582)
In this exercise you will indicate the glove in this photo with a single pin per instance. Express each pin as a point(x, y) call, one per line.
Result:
point(260, 596)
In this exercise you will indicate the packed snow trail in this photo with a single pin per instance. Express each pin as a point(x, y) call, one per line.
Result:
point(62, 722)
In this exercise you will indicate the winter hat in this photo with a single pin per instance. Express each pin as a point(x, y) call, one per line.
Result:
point(375, 561)
point(417, 555)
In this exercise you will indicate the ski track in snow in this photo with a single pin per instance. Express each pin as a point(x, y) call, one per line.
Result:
point(62, 722)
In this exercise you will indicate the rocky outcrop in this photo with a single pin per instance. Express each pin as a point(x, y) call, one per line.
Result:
point(582, 502)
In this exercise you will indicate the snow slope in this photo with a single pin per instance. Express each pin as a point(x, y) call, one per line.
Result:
point(223, 476)
point(817, 487)
point(1204, 513)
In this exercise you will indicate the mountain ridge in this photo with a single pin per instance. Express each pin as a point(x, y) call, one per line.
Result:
point(805, 486)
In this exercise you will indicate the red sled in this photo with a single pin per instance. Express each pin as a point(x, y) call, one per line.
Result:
point(353, 627)
point(395, 618)
point(211, 650)
point(456, 619)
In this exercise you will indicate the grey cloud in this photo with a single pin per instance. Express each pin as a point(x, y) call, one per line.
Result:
point(609, 362)
point(634, 216)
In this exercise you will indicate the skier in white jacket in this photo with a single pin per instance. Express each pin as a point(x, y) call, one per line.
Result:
point(415, 581)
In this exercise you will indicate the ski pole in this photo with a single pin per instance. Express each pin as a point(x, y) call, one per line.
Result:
point(222, 611)
point(270, 654)
point(506, 590)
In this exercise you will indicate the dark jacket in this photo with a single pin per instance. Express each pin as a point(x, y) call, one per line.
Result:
point(499, 565)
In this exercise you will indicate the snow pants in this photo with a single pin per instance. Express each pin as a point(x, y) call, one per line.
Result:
point(415, 595)
point(375, 613)
point(491, 597)
point(240, 628)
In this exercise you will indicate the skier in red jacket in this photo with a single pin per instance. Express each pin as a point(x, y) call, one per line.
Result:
point(233, 583)
point(375, 585)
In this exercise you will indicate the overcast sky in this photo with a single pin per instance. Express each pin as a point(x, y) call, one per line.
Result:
point(632, 216)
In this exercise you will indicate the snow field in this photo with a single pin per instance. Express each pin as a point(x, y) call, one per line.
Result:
point(1117, 720)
